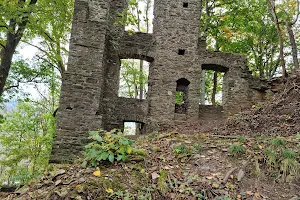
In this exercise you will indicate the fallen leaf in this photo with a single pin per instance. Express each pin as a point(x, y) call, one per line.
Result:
point(97, 173)
point(215, 185)
point(57, 182)
point(241, 174)
point(154, 176)
point(109, 190)
point(257, 194)
point(79, 188)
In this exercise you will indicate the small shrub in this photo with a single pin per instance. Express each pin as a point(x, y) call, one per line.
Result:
point(277, 142)
point(183, 150)
point(237, 149)
point(108, 146)
point(271, 157)
point(242, 139)
point(282, 161)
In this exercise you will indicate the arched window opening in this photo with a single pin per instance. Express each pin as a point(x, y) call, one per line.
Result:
point(133, 82)
point(212, 84)
point(139, 16)
point(181, 104)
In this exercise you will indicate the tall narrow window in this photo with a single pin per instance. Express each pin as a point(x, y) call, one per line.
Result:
point(212, 84)
point(133, 81)
point(140, 16)
point(182, 88)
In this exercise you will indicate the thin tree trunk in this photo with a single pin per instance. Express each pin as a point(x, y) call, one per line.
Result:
point(214, 91)
point(293, 45)
point(13, 37)
point(6, 58)
point(141, 79)
point(202, 98)
point(272, 7)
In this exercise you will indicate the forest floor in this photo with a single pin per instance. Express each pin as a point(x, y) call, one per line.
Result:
point(252, 155)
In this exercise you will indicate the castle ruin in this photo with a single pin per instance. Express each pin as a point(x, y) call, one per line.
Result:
point(177, 55)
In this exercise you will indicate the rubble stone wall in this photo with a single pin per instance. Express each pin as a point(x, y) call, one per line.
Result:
point(89, 95)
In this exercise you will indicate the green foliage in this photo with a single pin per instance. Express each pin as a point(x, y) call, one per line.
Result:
point(26, 139)
point(244, 27)
point(183, 150)
point(132, 78)
point(43, 24)
point(242, 139)
point(209, 74)
point(179, 97)
point(108, 146)
point(280, 160)
point(237, 149)
point(277, 142)
point(162, 181)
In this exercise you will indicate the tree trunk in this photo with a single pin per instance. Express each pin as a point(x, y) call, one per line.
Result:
point(13, 37)
point(293, 45)
point(6, 59)
point(271, 4)
point(214, 91)
point(202, 98)
point(141, 79)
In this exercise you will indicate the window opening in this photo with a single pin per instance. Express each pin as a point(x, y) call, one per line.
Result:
point(185, 4)
point(133, 80)
point(139, 16)
point(181, 104)
point(212, 85)
point(133, 128)
point(181, 52)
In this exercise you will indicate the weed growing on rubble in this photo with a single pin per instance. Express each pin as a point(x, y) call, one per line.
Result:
point(108, 146)
point(280, 160)
point(237, 149)
point(183, 150)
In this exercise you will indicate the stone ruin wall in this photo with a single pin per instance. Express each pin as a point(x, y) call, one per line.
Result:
point(89, 95)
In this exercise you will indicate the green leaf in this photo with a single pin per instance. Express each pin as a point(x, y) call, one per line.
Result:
point(84, 164)
point(120, 156)
point(104, 155)
point(111, 158)
point(129, 150)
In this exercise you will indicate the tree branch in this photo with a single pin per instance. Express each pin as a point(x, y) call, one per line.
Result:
point(2, 46)
point(3, 26)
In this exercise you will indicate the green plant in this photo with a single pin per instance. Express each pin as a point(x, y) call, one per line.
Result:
point(281, 161)
point(277, 142)
point(108, 146)
point(183, 150)
point(289, 164)
point(237, 149)
point(143, 194)
point(242, 139)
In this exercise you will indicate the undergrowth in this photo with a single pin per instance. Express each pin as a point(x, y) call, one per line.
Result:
point(109, 146)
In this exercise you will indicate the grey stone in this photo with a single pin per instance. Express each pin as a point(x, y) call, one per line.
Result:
point(89, 95)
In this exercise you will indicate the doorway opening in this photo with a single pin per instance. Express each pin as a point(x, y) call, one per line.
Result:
point(133, 128)
point(182, 89)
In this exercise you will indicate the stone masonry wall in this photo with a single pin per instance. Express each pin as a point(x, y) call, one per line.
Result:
point(89, 96)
